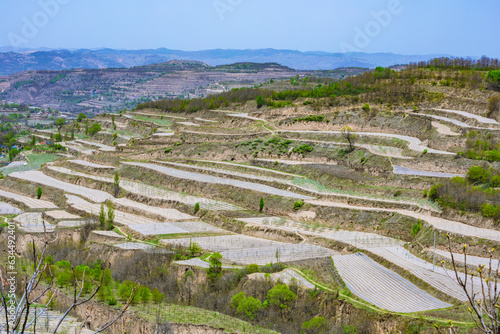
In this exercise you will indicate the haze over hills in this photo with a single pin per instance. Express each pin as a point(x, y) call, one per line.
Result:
point(46, 59)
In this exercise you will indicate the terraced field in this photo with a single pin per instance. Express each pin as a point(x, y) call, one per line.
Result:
point(282, 253)
point(287, 276)
point(61, 215)
point(382, 287)
point(437, 277)
point(471, 260)
point(140, 224)
point(155, 192)
point(90, 164)
point(442, 224)
point(244, 249)
point(100, 146)
point(7, 209)
point(218, 180)
point(409, 171)
point(32, 222)
point(40, 178)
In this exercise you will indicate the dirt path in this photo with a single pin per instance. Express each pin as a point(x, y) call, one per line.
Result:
point(469, 115)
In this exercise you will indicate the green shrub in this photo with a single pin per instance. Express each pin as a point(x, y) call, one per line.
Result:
point(416, 228)
point(478, 174)
point(495, 181)
point(237, 299)
point(168, 150)
point(397, 193)
point(95, 128)
point(39, 192)
point(315, 325)
point(112, 301)
point(249, 307)
point(303, 149)
point(433, 193)
point(493, 155)
point(261, 204)
point(425, 193)
point(366, 107)
point(281, 296)
point(298, 204)
point(489, 210)
point(196, 207)
point(252, 268)
point(350, 330)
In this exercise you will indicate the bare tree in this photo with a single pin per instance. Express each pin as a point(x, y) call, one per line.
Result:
point(483, 301)
point(350, 136)
point(15, 307)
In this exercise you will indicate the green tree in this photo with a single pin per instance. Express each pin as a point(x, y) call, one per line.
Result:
point(144, 294)
point(249, 307)
point(349, 135)
point(60, 122)
point(113, 121)
point(215, 269)
point(433, 192)
point(194, 249)
point(102, 217)
point(237, 299)
point(116, 184)
point(126, 289)
point(86, 129)
point(95, 128)
point(493, 78)
point(81, 116)
point(260, 101)
point(196, 207)
point(13, 153)
point(111, 216)
point(33, 141)
point(157, 296)
point(38, 192)
point(261, 204)
point(72, 133)
point(281, 296)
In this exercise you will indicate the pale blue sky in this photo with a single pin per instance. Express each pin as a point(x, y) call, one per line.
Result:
point(459, 27)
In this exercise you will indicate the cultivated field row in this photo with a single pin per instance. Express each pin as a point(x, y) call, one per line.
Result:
point(381, 286)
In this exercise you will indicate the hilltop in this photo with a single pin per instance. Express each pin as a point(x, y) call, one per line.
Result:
point(24, 60)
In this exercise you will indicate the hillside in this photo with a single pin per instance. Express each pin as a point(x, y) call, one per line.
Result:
point(96, 90)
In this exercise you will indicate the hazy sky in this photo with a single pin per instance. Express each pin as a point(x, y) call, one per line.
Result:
point(459, 27)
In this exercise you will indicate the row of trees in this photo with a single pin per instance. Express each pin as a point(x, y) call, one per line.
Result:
point(459, 63)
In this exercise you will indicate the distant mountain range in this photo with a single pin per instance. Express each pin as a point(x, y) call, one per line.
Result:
point(16, 60)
